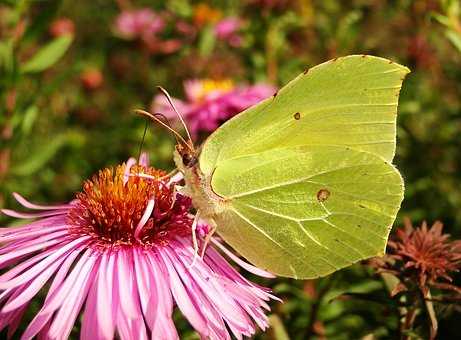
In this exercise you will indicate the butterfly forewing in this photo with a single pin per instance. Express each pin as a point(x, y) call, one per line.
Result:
point(347, 101)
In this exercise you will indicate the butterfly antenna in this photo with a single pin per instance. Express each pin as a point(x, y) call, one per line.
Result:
point(142, 140)
point(153, 117)
point(170, 101)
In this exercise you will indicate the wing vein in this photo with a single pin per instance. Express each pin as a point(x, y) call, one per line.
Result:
point(299, 180)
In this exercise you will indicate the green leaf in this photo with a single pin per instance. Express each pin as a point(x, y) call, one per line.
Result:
point(455, 39)
point(30, 116)
point(278, 330)
point(442, 19)
point(45, 153)
point(366, 287)
point(6, 56)
point(207, 41)
point(8, 2)
point(180, 7)
point(48, 55)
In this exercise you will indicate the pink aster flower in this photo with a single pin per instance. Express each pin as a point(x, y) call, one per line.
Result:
point(211, 102)
point(227, 30)
point(121, 254)
point(139, 23)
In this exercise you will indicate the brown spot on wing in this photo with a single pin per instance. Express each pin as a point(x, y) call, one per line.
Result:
point(323, 194)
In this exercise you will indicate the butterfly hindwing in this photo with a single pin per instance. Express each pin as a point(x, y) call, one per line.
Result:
point(306, 211)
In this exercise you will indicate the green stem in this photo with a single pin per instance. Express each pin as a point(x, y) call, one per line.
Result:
point(430, 313)
point(310, 332)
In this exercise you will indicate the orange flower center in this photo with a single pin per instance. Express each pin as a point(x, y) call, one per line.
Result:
point(112, 206)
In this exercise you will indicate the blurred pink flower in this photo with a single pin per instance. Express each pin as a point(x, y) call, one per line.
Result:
point(146, 26)
point(227, 30)
point(61, 26)
point(122, 252)
point(212, 102)
point(92, 78)
point(139, 23)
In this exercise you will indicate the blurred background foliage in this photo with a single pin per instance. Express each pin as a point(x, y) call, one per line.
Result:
point(70, 80)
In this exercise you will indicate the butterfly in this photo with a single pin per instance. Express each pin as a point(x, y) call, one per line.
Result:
point(302, 184)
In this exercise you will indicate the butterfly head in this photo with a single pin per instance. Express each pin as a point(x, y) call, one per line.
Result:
point(187, 155)
point(189, 160)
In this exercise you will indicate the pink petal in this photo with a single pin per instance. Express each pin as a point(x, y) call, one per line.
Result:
point(7, 316)
point(128, 166)
point(236, 317)
point(259, 317)
point(33, 287)
point(26, 264)
point(42, 318)
point(131, 328)
point(81, 269)
point(66, 315)
point(125, 328)
point(104, 305)
point(261, 294)
point(176, 178)
point(43, 334)
point(163, 321)
point(16, 214)
point(216, 325)
point(220, 265)
point(16, 320)
point(90, 329)
point(49, 222)
point(20, 234)
point(145, 217)
point(213, 288)
point(30, 205)
point(184, 299)
point(6, 294)
point(124, 279)
point(144, 159)
point(30, 247)
point(35, 270)
point(248, 267)
point(145, 292)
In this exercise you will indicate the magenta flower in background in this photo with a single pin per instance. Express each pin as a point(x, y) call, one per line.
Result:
point(227, 30)
point(139, 23)
point(121, 253)
point(146, 26)
point(212, 102)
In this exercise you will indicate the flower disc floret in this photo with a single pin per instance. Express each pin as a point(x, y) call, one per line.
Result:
point(113, 202)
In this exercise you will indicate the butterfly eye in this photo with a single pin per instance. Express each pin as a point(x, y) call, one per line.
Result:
point(189, 160)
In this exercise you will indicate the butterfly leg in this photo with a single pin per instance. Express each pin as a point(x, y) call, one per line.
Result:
point(171, 175)
point(208, 238)
point(194, 237)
